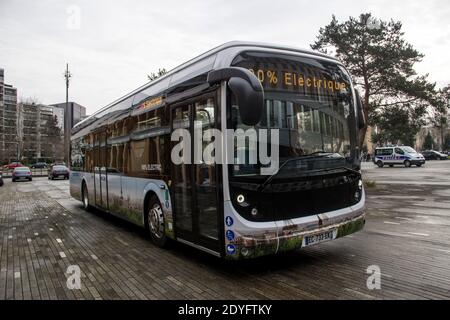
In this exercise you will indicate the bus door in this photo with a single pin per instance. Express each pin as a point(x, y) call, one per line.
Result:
point(194, 184)
point(100, 175)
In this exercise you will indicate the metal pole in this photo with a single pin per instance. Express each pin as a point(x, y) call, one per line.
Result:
point(67, 124)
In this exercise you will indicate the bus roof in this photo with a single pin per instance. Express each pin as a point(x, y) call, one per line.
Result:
point(218, 57)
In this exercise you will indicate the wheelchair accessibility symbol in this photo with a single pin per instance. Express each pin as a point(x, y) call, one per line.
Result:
point(229, 221)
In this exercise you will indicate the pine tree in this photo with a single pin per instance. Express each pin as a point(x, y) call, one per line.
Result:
point(428, 143)
point(380, 60)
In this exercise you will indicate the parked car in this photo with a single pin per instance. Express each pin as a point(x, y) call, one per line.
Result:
point(1, 179)
point(21, 173)
point(58, 163)
point(13, 165)
point(39, 165)
point(402, 155)
point(58, 172)
point(434, 155)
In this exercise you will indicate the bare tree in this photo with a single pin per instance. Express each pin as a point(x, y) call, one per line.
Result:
point(153, 76)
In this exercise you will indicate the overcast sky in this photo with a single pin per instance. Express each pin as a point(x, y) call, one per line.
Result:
point(113, 46)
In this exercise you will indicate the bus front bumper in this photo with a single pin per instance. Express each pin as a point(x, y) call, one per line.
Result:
point(249, 247)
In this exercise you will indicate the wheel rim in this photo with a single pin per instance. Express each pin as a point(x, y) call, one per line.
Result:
point(156, 221)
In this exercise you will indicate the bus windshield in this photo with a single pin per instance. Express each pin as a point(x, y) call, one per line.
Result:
point(310, 102)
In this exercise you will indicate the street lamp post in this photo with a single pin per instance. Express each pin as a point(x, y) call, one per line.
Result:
point(67, 124)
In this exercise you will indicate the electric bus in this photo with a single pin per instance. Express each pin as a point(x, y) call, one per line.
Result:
point(122, 155)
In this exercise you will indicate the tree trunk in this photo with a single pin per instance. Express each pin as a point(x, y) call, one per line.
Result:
point(363, 131)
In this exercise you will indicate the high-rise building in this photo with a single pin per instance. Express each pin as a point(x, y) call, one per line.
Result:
point(74, 114)
point(29, 131)
point(41, 137)
point(8, 121)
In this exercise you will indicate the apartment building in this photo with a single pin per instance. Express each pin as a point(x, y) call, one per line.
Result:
point(8, 121)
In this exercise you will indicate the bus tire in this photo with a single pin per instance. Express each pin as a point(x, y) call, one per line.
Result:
point(391, 165)
point(85, 197)
point(380, 164)
point(154, 221)
point(407, 163)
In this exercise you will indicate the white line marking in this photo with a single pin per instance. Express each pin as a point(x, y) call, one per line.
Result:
point(59, 240)
point(36, 234)
point(389, 222)
point(402, 218)
point(419, 234)
point(16, 275)
point(9, 237)
point(441, 250)
point(62, 254)
point(51, 229)
point(94, 256)
point(29, 240)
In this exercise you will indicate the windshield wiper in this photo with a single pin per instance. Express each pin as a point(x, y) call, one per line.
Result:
point(316, 154)
point(339, 168)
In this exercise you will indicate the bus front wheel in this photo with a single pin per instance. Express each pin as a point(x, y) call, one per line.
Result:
point(380, 164)
point(407, 163)
point(155, 222)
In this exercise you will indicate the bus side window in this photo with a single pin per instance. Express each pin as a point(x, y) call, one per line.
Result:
point(399, 151)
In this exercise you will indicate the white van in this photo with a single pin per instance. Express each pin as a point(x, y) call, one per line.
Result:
point(403, 155)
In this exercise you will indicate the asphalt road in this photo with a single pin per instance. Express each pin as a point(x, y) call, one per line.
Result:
point(43, 232)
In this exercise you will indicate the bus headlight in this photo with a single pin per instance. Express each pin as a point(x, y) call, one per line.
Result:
point(241, 201)
point(360, 184)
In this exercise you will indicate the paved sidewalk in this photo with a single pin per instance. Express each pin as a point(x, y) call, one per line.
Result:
point(43, 231)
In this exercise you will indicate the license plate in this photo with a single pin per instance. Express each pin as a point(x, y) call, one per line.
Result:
point(318, 238)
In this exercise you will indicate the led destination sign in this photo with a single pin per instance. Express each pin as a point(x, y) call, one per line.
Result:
point(307, 76)
point(293, 80)
point(151, 103)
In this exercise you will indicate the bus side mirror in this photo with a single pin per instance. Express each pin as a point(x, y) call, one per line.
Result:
point(360, 110)
point(247, 90)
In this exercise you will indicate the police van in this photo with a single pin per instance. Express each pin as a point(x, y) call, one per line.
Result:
point(394, 155)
